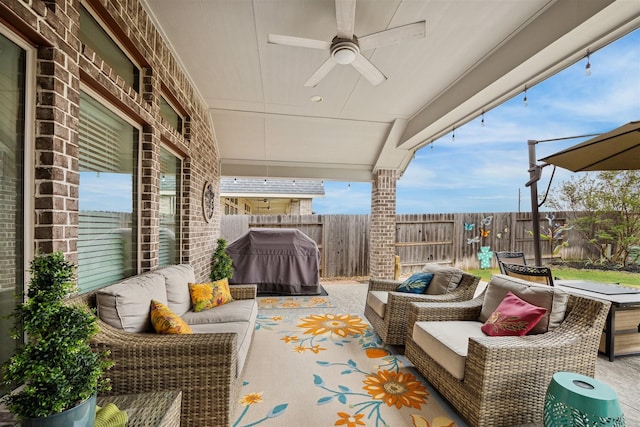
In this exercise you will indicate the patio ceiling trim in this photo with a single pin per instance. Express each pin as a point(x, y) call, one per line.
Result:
point(592, 31)
point(279, 169)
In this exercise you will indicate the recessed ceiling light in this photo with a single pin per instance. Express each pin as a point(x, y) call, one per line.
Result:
point(316, 98)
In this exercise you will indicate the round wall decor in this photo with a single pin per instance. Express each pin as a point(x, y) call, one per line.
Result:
point(208, 201)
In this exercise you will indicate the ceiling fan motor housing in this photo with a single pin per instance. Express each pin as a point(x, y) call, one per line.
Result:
point(344, 51)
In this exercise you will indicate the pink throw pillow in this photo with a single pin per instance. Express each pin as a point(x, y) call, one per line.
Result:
point(513, 316)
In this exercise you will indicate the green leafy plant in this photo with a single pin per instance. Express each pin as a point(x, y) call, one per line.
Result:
point(221, 263)
point(605, 210)
point(56, 366)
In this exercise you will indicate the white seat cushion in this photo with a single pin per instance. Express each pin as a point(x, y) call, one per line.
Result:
point(237, 317)
point(377, 300)
point(235, 311)
point(447, 342)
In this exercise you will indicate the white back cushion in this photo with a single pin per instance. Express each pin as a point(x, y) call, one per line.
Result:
point(445, 278)
point(177, 279)
point(553, 299)
point(126, 305)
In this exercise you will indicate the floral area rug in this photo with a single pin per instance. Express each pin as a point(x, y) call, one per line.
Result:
point(332, 370)
point(274, 303)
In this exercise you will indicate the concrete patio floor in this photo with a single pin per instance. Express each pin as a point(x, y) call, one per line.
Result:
point(623, 374)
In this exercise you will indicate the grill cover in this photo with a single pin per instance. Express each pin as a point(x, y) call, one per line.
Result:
point(279, 260)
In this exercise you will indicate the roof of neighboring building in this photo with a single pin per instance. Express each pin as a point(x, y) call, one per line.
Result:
point(252, 187)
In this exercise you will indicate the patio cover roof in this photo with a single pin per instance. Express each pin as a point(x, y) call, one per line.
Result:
point(476, 55)
point(254, 187)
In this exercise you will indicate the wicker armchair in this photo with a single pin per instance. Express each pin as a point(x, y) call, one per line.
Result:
point(505, 378)
point(202, 366)
point(392, 328)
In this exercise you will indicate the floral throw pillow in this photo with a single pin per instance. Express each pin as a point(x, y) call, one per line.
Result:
point(165, 321)
point(416, 284)
point(205, 296)
point(513, 316)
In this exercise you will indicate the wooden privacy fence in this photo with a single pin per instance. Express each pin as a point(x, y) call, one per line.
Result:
point(454, 239)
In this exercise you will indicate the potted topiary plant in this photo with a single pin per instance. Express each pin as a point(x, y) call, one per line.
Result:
point(58, 371)
point(221, 263)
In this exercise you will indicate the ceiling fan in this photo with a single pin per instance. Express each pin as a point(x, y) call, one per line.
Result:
point(345, 47)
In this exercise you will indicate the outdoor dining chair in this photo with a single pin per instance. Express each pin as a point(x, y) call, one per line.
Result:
point(528, 272)
point(511, 258)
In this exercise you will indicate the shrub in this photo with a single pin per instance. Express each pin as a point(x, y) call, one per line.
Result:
point(221, 263)
point(56, 365)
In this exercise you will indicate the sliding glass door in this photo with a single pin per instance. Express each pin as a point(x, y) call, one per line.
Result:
point(13, 69)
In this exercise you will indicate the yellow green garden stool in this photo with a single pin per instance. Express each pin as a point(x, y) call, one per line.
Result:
point(577, 400)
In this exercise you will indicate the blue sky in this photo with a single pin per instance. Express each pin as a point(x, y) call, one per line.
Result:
point(483, 169)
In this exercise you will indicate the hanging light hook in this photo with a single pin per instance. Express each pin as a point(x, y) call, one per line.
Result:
point(587, 68)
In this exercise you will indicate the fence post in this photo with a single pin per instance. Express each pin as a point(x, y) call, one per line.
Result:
point(396, 267)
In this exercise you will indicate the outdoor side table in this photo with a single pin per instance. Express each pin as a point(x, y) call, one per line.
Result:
point(577, 400)
point(154, 409)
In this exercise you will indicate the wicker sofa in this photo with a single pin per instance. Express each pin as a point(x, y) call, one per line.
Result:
point(502, 380)
point(206, 365)
point(388, 311)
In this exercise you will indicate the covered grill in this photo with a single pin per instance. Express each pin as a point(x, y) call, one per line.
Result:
point(279, 260)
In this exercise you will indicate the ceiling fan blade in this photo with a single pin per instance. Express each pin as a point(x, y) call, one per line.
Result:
point(298, 42)
point(417, 30)
point(320, 73)
point(345, 18)
point(368, 70)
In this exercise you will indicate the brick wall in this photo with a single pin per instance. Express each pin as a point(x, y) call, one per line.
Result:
point(294, 207)
point(62, 65)
point(7, 234)
point(305, 207)
point(382, 224)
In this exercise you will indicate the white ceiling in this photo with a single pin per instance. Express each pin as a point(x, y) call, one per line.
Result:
point(476, 55)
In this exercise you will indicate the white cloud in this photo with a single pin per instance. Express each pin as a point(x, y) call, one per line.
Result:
point(343, 198)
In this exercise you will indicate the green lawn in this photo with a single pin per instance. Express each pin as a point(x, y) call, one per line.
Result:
point(621, 277)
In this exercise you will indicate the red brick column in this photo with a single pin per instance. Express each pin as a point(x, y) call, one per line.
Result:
point(56, 138)
point(382, 224)
point(150, 177)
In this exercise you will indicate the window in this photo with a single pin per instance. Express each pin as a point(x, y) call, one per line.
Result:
point(170, 114)
point(15, 72)
point(170, 189)
point(95, 37)
point(108, 196)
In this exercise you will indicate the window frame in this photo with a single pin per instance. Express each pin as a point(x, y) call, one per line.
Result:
point(178, 111)
point(180, 210)
point(28, 177)
point(138, 167)
point(116, 40)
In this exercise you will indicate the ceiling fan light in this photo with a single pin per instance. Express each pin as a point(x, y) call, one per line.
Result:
point(344, 56)
point(344, 52)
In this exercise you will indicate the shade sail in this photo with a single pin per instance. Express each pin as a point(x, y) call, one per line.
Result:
point(618, 149)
